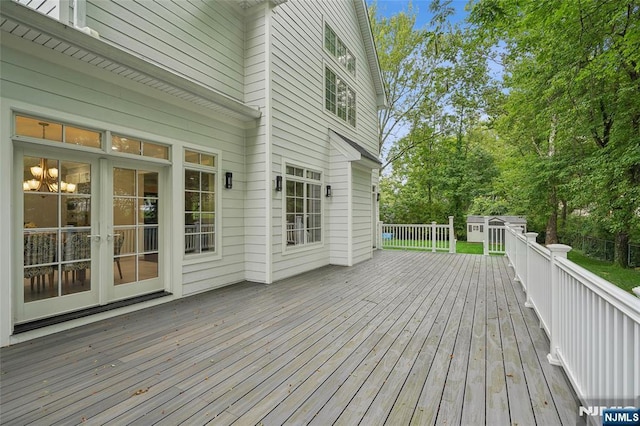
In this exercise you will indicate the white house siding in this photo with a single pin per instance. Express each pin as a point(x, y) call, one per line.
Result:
point(337, 221)
point(301, 125)
point(255, 93)
point(45, 83)
point(201, 40)
point(362, 235)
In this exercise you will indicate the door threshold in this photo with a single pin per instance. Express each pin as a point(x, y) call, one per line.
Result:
point(45, 322)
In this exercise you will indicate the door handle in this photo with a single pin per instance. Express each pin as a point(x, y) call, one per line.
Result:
point(95, 238)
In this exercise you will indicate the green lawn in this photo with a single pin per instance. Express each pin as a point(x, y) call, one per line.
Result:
point(469, 248)
point(626, 279)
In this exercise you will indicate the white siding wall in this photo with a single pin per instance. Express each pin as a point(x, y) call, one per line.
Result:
point(202, 40)
point(338, 218)
point(300, 122)
point(362, 235)
point(256, 145)
point(66, 90)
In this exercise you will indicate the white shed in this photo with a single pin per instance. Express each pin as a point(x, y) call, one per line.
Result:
point(475, 225)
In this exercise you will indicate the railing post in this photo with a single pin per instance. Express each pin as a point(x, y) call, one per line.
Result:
point(556, 250)
point(434, 238)
point(486, 236)
point(517, 230)
point(531, 238)
point(452, 240)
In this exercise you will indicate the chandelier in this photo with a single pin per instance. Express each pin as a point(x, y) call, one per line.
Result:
point(46, 176)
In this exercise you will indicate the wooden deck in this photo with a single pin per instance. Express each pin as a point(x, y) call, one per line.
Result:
point(407, 338)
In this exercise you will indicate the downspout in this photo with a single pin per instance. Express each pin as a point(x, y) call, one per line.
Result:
point(80, 18)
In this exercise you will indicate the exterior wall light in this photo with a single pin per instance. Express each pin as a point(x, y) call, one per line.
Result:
point(228, 180)
point(328, 194)
point(378, 196)
point(278, 183)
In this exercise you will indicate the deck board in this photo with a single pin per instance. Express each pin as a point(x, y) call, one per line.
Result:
point(406, 338)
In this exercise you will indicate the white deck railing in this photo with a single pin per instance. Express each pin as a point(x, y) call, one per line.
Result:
point(432, 236)
point(593, 326)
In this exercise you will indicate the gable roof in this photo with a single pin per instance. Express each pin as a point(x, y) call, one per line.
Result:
point(370, 50)
point(515, 220)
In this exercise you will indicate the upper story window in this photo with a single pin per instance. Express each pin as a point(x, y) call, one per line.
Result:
point(200, 171)
point(303, 211)
point(338, 49)
point(340, 99)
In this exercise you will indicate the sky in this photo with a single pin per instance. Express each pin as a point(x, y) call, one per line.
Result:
point(391, 7)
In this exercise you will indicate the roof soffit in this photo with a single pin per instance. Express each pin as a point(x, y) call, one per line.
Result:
point(38, 28)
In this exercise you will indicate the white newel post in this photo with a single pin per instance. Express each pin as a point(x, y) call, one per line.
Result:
point(434, 238)
point(486, 236)
point(557, 250)
point(452, 239)
point(517, 230)
point(531, 238)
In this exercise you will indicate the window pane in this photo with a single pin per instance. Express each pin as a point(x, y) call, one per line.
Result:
point(126, 145)
point(40, 210)
point(208, 181)
point(76, 136)
point(124, 211)
point(207, 160)
point(208, 202)
point(191, 201)
point(149, 211)
point(76, 211)
point(148, 183)
point(38, 128)
point(191, 157)
point(124, 182)
point(191, 179)
point(155, 151)
point(40, 174)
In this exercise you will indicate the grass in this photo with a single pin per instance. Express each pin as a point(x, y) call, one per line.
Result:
point(626, 279)
point(469, 248)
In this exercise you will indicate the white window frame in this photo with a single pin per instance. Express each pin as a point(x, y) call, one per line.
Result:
point(344, 61)
point(217, 252)
point(294, 248)
point(351, 109)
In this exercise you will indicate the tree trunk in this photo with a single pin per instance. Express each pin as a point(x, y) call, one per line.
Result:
point(551, 234)
point(621, 250)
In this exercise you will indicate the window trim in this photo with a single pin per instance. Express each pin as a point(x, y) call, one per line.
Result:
point(195, 258)
point(291, 249)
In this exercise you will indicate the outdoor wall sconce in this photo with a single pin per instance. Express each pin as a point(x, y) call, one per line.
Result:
point(278, 183)
point(378, 196)
point(228, 180)
point(328, 194)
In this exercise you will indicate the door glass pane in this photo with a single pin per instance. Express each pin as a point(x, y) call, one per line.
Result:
point(56, 220)
point(136, 231)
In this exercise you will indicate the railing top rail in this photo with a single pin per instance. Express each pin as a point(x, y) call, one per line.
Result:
point(619, 298)
point(542, 250)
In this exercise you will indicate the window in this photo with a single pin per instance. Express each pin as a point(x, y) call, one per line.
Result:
point(470, 228)
point(340, 99)
point(53, 131)
point(303, 211)
point(139, 147)
point(338, 50)
point(199, 202)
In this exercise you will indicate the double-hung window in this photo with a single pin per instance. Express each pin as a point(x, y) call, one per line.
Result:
point(303, 211)
point(200, 174)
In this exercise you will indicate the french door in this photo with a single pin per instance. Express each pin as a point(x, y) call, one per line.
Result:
point(91, 232)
